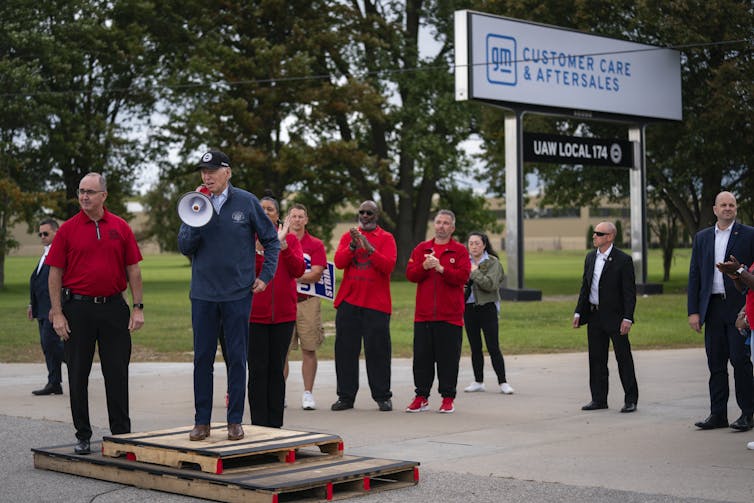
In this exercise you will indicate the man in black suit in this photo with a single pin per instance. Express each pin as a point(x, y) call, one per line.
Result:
point(39, 308)
point(714, 301)
point(606, 305)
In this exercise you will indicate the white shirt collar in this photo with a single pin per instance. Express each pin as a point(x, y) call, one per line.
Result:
point(606, 254)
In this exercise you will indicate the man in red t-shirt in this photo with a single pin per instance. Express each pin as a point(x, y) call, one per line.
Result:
point(367, 256)
point(308, 332)
point(92, 258)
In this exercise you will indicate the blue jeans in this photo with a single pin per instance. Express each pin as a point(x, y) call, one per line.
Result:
point(207, 317)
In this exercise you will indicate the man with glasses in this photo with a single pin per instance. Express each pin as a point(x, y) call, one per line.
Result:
point(93, 257)
point(367, 255)
point(606, 305)
point(39, 309)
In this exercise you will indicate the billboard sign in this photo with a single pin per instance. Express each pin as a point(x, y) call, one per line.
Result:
point(525, 65)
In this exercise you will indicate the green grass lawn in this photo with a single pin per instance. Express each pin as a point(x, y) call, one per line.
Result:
point(525, 327)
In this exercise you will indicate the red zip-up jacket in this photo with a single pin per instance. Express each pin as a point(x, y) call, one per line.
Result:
point(439, 297)
point(277, 302)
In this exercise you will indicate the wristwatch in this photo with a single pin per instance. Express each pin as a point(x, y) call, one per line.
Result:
point(740, 270)
point(139, 306)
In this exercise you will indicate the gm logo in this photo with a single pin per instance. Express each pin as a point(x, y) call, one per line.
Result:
point(501, 60)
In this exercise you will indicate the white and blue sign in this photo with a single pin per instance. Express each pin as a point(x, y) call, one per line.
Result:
point(519, 63)
point(325, 287)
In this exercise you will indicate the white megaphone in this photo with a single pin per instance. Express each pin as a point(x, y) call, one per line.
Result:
point(195, 209)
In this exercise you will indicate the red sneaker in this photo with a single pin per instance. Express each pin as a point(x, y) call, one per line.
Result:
point(418, 405)
point(447, 406)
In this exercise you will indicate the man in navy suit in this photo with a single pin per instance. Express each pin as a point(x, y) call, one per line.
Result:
point(714, 301)
point(39, 308)
point(606, 305)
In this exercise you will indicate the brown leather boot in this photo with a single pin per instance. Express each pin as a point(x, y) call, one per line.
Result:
point(200, 432)
point(235, 431)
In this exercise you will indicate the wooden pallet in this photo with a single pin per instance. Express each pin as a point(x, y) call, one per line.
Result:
point(217, 454)
point(326, 478)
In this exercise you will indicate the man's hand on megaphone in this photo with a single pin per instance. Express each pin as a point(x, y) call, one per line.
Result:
point(258, 286)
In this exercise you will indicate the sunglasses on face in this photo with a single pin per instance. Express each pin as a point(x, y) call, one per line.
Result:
point(600, 234)
point(368, 213)
point(43, 234)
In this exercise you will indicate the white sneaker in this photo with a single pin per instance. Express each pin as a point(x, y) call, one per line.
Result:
point(750, 445)
point(506, 389)
point(307, 401)
point(475, 386)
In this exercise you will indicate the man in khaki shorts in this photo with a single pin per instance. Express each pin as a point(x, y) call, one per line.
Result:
point(308, 332)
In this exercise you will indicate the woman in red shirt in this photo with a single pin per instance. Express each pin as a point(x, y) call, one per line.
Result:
point(273, 314)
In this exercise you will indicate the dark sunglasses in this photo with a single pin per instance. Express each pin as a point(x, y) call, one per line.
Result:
point(368, 213)
point(43, 234)
point(600, 234)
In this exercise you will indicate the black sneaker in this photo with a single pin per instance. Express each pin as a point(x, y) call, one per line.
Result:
point(342, 405)
point(385, 405)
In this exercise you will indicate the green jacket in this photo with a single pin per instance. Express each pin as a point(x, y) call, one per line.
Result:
point(486, 281)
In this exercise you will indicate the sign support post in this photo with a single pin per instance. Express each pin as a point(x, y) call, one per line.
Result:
point(638, 205)
point(514, 204)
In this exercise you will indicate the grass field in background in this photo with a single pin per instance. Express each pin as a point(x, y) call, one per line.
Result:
point(525, 327)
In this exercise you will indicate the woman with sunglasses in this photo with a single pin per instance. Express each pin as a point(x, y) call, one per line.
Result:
point(273, 314)
point(482, 306)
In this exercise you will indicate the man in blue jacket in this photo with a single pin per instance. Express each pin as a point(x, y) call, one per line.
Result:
point(222, 284)
point(714, 301)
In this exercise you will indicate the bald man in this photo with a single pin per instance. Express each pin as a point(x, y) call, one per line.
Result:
point(606, 305)
point(714, 302)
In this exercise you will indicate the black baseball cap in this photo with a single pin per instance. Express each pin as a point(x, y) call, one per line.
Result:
point(214, 159)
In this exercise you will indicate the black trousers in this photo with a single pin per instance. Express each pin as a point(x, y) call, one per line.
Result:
point(722, 342)
point(352, 324)
point(436, 343)
point(53, 349)
point(599, 336)
point(106, 326)
point(268, 347)
point(480, 319)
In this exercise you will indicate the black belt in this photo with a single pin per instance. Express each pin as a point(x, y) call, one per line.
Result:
point(96, 300)
point(594, 307)
point(719, 296)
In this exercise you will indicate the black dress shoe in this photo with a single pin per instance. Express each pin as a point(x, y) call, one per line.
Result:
point(342, 405)
point(629, 407)
point(743, 423)
point(385, 405)
point(713, 421)
point(594, 406)
point(49, 389)
point(82, 447)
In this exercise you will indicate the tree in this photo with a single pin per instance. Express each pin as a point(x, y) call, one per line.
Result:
point(365, 116)
point(22, 180)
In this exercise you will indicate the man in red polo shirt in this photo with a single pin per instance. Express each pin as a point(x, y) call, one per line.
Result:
point(93, 257)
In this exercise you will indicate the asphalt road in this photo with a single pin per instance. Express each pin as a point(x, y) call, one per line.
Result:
point(535, 445)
